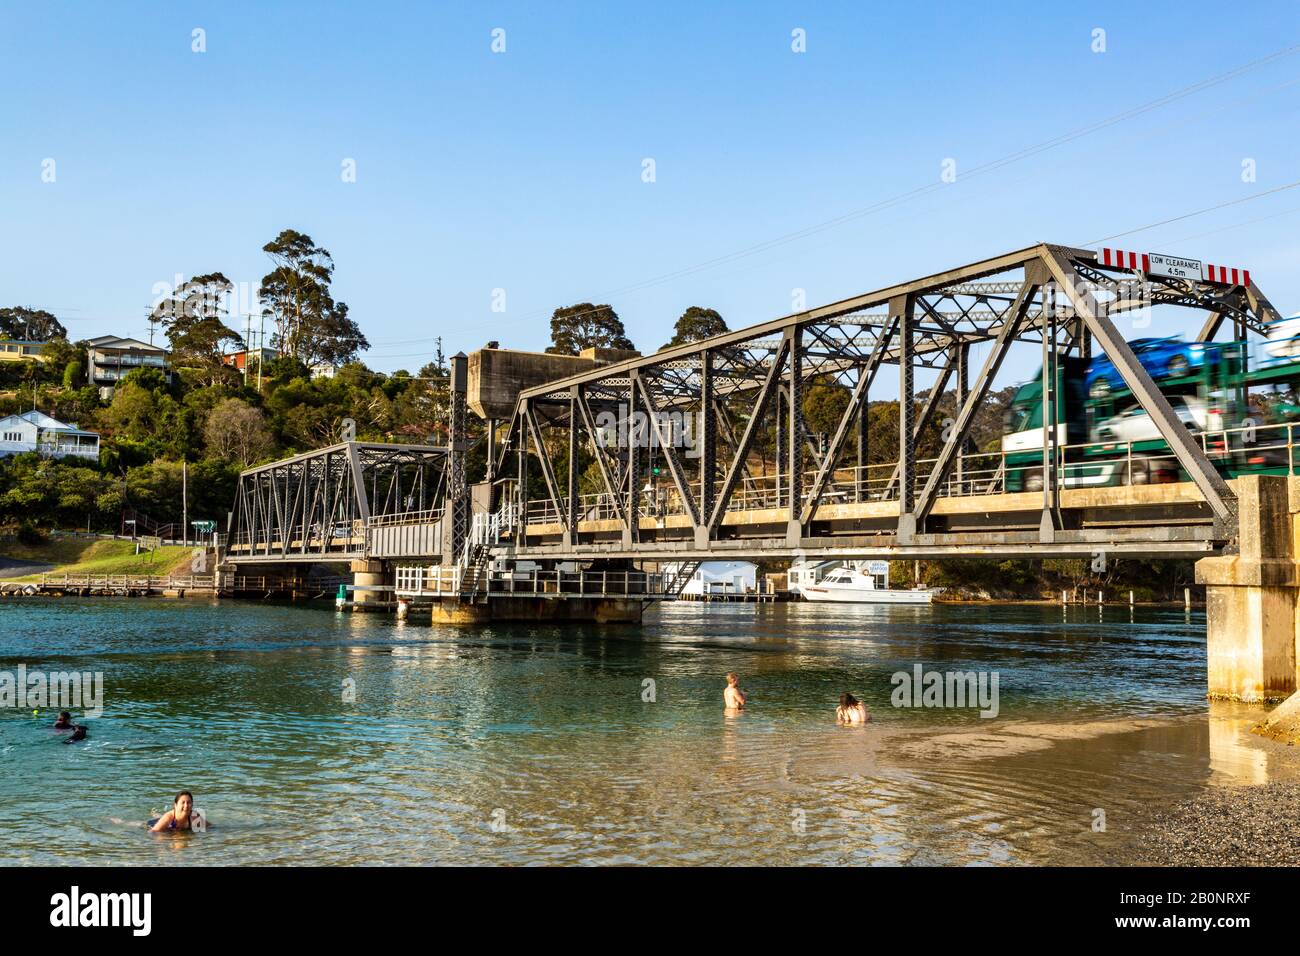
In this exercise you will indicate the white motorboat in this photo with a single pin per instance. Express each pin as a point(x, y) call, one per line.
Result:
point(853, 584)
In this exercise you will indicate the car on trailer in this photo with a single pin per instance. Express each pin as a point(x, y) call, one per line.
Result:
point(1168, 357)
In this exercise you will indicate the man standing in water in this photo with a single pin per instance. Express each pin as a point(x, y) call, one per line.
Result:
point(732, 696)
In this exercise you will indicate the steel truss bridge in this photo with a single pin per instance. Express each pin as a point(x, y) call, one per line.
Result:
point(665, 457)
point(346, 501)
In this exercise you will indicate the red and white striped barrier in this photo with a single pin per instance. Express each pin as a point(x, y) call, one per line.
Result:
point(1124, 260)
point(1226, 275)
point(1176, 267)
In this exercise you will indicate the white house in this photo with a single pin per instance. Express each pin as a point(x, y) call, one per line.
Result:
point(112, 358)
point(719, 578)
point(808, 572)
point(36, 431)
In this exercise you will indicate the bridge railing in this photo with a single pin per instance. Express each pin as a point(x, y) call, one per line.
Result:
point(1254, 447)
point(141, 582)
point(340, 537)
point(426, 516)
point(413, 581)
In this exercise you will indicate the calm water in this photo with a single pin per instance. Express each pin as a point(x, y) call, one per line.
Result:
point(533, 744)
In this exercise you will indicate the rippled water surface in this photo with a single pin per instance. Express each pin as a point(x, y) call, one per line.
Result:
point(535, 743)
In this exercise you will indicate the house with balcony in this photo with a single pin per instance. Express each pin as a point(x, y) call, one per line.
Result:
point(20, 350)
point(36, 431)
point(110, 358)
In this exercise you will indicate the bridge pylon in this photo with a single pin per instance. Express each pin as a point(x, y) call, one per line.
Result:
point(1253, 597)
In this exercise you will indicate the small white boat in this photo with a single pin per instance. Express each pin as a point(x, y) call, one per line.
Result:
point(853, 584)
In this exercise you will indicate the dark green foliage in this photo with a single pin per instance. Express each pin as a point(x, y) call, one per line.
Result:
point(585, 326)
point(192, 317)
point(310, 326)
point(30, 325)
point(695, 324)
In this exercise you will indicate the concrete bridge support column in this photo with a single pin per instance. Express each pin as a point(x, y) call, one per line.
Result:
point(369, 574)
point(1251, 597)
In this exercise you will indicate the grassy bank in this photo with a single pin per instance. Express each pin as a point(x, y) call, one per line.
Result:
point(97, 556)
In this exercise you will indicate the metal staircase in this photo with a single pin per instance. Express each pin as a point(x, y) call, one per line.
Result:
point(472, 568)
point(676, 582)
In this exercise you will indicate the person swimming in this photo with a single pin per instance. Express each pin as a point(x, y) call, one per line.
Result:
point(64, 722)
point(78, 733)
point(181, 816)
point(851, 710)
point(733, 698)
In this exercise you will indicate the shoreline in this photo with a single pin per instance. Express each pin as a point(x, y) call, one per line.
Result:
point(1245, 825)
point(12, 588)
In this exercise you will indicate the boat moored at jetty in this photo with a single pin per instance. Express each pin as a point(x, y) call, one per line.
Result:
point(861, 582)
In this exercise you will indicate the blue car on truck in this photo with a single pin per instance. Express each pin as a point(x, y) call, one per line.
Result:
point(1163, 358)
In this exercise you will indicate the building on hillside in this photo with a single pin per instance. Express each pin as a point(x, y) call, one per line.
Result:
point(20, 350)
point(323, 370)
point(110, 358)
point(36, 431)
point(240, 360)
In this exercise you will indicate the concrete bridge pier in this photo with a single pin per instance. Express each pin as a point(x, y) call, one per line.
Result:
point(367, 574)
point(539, 610)
point(1252, 609)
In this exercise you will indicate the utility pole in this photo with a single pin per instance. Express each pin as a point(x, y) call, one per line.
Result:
point(261, 346)
point(185, 502)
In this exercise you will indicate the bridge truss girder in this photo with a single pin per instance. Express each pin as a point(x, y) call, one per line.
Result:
point(737, 388)
point(319, 505)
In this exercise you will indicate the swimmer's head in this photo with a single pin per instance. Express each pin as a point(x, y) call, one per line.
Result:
point(183, 803)
point(848, 701)
point(65, 716)
point(733, 678)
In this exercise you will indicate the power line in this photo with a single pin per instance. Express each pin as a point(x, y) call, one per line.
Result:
point(1239, 225)
point(899, 199)
point(983, 168)
point(1199, 212)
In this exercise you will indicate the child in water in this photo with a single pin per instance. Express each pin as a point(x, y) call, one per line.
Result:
point(733, 698)
point(851, 710)
point(65, 723)
point(180, 817)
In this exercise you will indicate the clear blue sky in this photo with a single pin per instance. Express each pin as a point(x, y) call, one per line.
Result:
point(523, 170)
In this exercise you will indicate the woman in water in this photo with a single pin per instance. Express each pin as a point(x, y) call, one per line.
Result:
point(851, 710)
point(64, 722)
point(180, 817)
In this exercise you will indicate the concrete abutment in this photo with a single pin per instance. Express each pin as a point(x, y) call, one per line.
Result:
point(1252, 598)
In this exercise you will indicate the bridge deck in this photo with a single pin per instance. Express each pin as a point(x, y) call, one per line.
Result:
point(1170, 520)
point(1161, 520)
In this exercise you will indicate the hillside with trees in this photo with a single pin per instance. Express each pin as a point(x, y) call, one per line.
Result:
point(210, 418)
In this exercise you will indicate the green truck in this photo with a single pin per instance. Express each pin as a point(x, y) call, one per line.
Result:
point(1104, 437)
